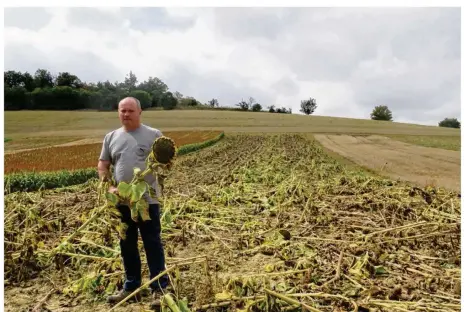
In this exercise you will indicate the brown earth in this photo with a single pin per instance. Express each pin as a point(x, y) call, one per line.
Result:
point(399, 160)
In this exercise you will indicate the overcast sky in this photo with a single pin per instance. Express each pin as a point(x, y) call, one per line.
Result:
point(349, 60)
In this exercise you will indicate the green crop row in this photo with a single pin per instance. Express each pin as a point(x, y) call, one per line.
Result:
point(33, 181)
point(190, 148)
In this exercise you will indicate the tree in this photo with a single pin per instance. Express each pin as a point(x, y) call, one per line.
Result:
point(308, 106)
point(153, 84)
point(28, 82)
point(271, 109)
point(188, 101)
point(67, 80)
point(283, 110)
point(256, 107)
point(168, 101)
point(143, 97)
point(156, 98)
point(43, 79)
point(246, 105)
point(13, 79)
point(130, 82)
point(243, 105)
point(213, 103)
point(381, 112)
point(178, 95)
point(450, 123)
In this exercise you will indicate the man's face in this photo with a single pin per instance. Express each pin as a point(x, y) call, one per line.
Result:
point(129, 113)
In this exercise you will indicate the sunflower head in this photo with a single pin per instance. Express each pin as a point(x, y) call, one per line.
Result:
point(164, 150)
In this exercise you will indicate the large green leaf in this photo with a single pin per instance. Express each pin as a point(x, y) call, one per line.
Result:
point(134, 214)
point(142, 208)
point(138, 190)
point(124, 190)
point(112, 199)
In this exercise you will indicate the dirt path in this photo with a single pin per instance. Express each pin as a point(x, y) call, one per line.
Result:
point(399, 160)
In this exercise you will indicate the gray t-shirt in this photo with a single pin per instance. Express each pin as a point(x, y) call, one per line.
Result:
point(129, 149)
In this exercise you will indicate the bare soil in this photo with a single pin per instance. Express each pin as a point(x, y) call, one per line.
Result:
point(399, 160)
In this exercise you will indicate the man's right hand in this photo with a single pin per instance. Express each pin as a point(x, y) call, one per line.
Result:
point(113, 190)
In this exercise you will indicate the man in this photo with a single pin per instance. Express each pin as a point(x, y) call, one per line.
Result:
point(126, 148)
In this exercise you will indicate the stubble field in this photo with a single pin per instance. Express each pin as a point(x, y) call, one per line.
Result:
point(258, 222)
point(421, 165)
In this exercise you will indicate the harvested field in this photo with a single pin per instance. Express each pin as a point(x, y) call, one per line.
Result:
point(452, 143)
point(280, 223)
point(81, 154)
point(399, 160)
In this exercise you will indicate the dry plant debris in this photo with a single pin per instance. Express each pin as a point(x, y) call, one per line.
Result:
point(256, 223)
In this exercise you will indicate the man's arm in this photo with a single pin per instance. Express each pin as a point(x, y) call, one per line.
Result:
point(104, 170)
point(104, 163)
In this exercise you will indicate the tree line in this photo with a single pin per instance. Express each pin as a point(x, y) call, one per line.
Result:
point(66, 91)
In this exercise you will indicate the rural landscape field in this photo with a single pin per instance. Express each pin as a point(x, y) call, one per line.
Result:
point(261, 212)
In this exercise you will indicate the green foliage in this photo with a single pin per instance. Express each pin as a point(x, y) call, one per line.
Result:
point(279, 110)
point(6, 140)
point(43, 79)
point(381, 112)
point(188, 101)
point(143, 96)
point(16, 98)
point(156, 98)
point(283, 110)
point(213, 103)
point(68, 92)
point(308, 106)
point(68, 80)
point(246, 105)
point(33, 181)
point(168, 101)
point(189, 148)
point(256, 107)
point(450, 123)
point(152, 85)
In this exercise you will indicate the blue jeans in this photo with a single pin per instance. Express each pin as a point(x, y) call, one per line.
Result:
point(150, 231)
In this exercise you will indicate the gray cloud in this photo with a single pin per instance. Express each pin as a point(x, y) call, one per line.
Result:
point(229, 88)
point(142, 19)
point(86, 65)
point(149, 19)
point(286, 86)
point(27, 18)
point(253, 23)
point(94, 19)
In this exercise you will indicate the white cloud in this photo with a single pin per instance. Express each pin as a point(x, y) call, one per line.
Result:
point(349, 60)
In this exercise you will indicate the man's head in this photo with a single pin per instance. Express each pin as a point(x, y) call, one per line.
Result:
point(129, 113)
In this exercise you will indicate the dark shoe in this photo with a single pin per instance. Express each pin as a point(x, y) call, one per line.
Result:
point(123, 294)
